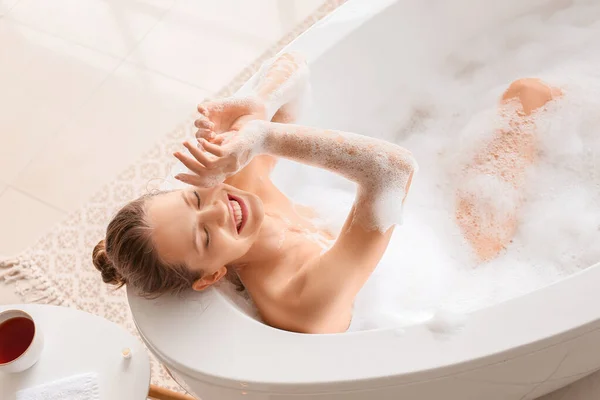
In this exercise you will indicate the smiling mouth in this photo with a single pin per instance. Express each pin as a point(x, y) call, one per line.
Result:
point(239, 212)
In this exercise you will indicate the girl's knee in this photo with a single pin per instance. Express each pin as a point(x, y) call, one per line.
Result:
point(532, 93)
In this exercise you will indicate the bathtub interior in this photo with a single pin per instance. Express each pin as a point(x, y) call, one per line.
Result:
point(390, 86)
point(352, 78)
point(423, 67)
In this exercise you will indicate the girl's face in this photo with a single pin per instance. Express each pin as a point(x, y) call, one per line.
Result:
point(205, 229)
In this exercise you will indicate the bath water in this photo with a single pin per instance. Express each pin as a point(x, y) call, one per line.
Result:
point(428, 271)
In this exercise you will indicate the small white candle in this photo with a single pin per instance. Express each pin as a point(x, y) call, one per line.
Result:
point(126, 353)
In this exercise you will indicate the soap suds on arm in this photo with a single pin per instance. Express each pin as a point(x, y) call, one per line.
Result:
point(382, 170)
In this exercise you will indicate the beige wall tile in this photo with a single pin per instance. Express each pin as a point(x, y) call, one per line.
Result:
point(205, 55)
point(23, 220)
point(111, 26)
point(43, 80)
point(124, 118)
point(206, 42)
point(268, 20)
point(6, 5)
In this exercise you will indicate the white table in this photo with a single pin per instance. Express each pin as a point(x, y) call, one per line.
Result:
point(76, 342)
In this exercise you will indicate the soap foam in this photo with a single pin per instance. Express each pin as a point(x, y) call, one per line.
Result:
point(382, 170)
point(428, 265)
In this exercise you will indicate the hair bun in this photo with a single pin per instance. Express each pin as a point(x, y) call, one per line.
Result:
point(105, 266)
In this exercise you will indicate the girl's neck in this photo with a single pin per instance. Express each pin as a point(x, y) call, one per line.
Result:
point(268, 247)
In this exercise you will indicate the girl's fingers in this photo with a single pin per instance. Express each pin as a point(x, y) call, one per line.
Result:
point(205, 134)
point(218, 139)
point(212, 148)
point(202, 109)
point(194, 180)
point(188, 178)
point(204, 123)
point(201, 156)
point(191, 164)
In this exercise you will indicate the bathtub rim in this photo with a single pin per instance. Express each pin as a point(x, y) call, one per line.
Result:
point(556, 331)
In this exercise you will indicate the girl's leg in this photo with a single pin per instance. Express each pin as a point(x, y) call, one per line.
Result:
point(282, 85)
point(490, 191)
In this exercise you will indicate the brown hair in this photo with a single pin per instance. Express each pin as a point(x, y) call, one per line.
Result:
point(127, 255)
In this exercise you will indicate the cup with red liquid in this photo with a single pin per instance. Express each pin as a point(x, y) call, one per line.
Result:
point(21, 341)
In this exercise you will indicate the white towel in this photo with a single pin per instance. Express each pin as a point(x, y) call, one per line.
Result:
point(78, 387)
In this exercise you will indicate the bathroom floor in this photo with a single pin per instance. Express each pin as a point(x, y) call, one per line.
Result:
point(82, 77)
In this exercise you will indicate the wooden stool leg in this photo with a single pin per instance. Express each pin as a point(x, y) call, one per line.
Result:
point(158, 393)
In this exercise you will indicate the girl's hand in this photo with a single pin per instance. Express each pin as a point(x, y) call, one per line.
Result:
point(226, 116)
point(212, 163)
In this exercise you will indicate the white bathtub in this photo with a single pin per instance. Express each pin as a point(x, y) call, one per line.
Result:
point(519, 349)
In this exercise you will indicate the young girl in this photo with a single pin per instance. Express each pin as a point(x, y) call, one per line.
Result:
point(232, 217)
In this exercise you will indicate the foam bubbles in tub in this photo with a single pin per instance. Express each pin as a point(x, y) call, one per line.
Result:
point(428, 266)
point(446, 322)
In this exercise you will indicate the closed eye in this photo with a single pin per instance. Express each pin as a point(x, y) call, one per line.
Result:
point(198, 197)
point(207, 237)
